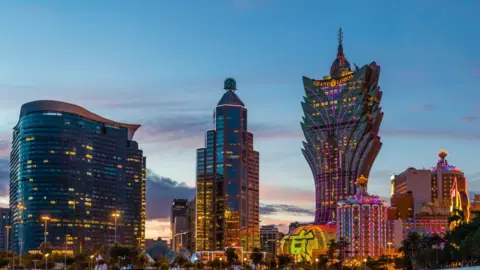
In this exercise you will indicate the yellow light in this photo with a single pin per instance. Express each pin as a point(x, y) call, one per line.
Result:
point(45, 217)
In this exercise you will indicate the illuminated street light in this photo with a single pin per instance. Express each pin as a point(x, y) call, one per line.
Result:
point(46, 219)
point(115, 215)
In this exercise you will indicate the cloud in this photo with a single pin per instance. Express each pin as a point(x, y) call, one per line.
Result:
point(269, 209)
point(469, 119)
point(188, 131)
point(431, 134)
point(423, 108)
point(4, 177)
point(159, 227)
point(4, 148)
point(276, 194)
point(160, 194)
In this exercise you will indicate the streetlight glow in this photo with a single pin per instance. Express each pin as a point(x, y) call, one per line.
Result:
point(115, 215)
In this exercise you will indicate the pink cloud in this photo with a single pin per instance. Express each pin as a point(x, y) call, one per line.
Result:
point(159, 227)
point(287, 195)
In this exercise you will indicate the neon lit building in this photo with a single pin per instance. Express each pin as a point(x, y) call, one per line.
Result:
point(341, 124)
point(361, 222)
point(306, 243)
point(228, 180)
point(397, 230)
point(449, 187)
point(77, 169)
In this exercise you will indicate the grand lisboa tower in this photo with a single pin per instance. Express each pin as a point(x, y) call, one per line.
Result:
point(342, 116)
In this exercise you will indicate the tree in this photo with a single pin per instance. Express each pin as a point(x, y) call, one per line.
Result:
point(256, 256)
point(231, 255)
point(411, 247)
point(179, 261)
point(284, 260)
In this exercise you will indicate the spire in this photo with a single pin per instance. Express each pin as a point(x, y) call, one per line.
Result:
point(340, 43)
point(340, 64)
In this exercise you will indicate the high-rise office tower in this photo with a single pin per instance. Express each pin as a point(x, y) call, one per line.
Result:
point(341, 124)
point(179, 209)
point(227, 180)
point(76, 176)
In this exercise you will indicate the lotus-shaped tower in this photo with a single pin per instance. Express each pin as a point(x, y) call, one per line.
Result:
point(342, 116)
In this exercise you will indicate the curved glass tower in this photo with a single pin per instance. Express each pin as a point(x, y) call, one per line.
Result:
point(341, 123)
point(74, 175)
point(227, 180)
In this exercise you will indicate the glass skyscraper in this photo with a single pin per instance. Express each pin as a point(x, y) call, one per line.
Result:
point(228, 180)
point(341, 124)
point(80, 175)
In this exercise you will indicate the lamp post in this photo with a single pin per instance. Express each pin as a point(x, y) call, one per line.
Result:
point(21, 207)
point(8, 227)
point(365, 264)
point(91, 261)
point(46, 219)
point(221, 263)
point(46, 261)
point(115, 215)
point(316, 264)
point(35, 264)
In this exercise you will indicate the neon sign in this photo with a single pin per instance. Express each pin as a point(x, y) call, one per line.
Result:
point(333, 82)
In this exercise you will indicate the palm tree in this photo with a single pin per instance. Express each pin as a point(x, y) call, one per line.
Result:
point(411, 247)
point(231, 255)
point(256, 256)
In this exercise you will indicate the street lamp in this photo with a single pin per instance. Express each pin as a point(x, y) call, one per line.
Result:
point(46, 219)
point(91, 261)
point(115, 215)
point(35, 264)
point(316, 263)
point(365, 264)
point(390, 248)
point(21, 207)
point(8, 227)
point(221, 263)
point(46, 261)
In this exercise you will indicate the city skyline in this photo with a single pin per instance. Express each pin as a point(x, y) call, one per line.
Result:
point(129, 70)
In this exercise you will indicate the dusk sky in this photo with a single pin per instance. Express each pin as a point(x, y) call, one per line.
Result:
point(162, 64)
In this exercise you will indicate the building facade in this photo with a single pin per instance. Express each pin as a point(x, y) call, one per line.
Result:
point(5, 229)
point(269, 239)
point(228, 180)
point(342, 116)
point(398, 230)
point(191, 221)
point(449, 187)
point(412, 189)
point(180, 233)
point(362, 223)
point(440, 191)
point(77, 176)
point(179, 209)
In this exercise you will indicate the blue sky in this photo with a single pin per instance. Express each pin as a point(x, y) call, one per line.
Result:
point(162, 64)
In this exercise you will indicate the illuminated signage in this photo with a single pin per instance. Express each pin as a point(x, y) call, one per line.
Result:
point(333, 82)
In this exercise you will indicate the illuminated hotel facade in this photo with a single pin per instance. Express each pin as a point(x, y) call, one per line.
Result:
point(228, 180)
point(342, 116)
point(74, 175)
point(440, 191)
point(362, 223)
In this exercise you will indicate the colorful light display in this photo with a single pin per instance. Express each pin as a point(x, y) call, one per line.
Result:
point(341, 123)
point(361, 222)
point(305, 243)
